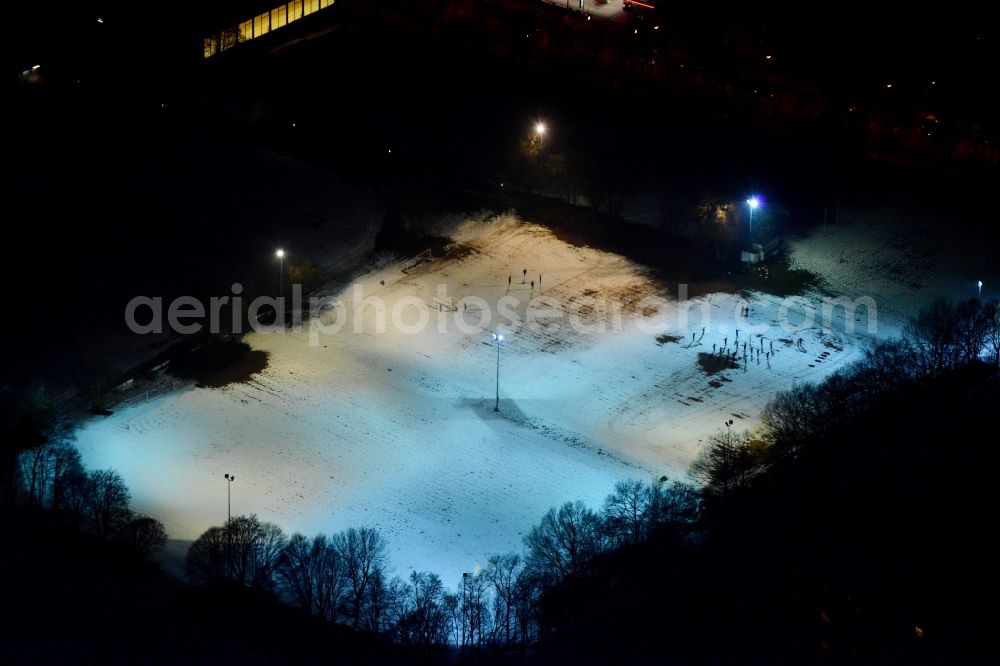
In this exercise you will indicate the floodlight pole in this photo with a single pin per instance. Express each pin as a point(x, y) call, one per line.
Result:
point(229, 496)
point(499, 339)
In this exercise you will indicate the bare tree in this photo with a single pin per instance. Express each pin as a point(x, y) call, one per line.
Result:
point(626, 511)
point(727, 463)
point(296, 570)
point(933, 334)
point(528, 592)
point(503, 573)
point(45, 469)
point(565, 541)
point(381, 598)
point(29, 419)
point(675, 506)
point(312, 573)
point(473, 598)
point(972, 326)
point(884, 366)
point(363, 553)
point(795, 415)
point(423, 618)
point(208, 557)
point(107, 501)
point(245, 550)
point(144, 535)
point(74, 494)
point(254, 548)
point(66, 467)
point(453, 608)
point(35, 469)
point(993, 332)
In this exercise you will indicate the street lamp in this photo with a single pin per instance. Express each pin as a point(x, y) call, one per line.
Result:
point(539, 129)
point(280, 254)
point(499, 338)
point(754, 203)
point(980, 285)
point(229, 496)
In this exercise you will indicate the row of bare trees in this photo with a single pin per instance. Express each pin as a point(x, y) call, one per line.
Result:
point(42, 469)
point(946, 335)
point(340, 577)
point(54, 478)
point(942, 337)
point(345, 578)
point(569, 537)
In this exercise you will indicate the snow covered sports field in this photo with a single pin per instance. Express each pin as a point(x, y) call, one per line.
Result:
point(393, 427)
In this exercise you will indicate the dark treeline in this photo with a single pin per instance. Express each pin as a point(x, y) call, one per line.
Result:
point(345, 578)
point(40, 469)
point(855, 526)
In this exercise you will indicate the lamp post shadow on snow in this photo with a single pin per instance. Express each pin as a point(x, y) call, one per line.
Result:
point(483, 408)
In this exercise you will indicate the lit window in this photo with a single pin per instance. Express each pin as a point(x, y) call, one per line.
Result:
point(246, 31)
point(294, 10)
point(211, 46)
point(261, 24)
point(325, 3)
point(310, 6)
point(277, 17)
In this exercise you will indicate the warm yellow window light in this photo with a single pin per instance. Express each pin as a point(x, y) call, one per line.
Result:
point(278, 17)
point(262, 24)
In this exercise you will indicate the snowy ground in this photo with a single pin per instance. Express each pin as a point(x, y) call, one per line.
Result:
point(903, 258)
point(396, 429)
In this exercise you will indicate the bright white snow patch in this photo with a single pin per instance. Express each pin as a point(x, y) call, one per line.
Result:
point(398, 431)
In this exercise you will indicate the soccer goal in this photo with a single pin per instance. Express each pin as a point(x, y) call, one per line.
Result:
point(417, 260)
